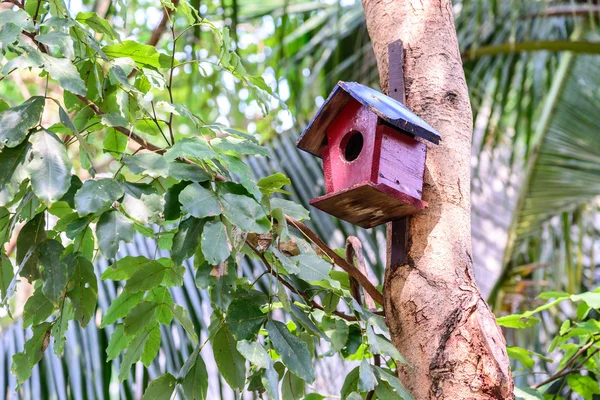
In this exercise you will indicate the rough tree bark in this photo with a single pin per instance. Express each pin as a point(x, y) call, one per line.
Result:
point(437, 317)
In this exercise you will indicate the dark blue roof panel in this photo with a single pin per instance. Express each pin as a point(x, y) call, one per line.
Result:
point(391, 111)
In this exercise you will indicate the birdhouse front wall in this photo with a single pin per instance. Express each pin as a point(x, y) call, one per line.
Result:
point(348, 157)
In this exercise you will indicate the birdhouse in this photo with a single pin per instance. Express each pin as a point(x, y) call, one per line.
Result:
point(372, 162)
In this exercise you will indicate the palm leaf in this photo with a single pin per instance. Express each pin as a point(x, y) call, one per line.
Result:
point(563, 173)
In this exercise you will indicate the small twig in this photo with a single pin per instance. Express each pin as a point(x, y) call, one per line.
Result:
point(354, 251)
point(339, 261)
point(563, 371)
point(292, 288)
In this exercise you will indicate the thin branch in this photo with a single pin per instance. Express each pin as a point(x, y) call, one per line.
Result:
point(354, 250)
point(563, 371)
point(339, 261)
point(288, 285)
point(162, 25)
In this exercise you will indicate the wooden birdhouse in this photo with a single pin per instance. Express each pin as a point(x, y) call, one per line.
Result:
point(372, 162)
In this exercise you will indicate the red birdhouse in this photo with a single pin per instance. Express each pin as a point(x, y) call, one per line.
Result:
point(372, 162)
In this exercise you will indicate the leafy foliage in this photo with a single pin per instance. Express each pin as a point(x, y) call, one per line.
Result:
point(187, 188)
point(575, 343)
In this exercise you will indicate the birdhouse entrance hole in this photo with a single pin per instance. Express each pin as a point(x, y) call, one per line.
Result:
point(352, 145)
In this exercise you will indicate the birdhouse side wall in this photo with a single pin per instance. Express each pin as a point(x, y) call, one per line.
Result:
point(401, 161)
point(348, 161)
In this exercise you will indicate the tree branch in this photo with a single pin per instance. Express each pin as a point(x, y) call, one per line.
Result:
point(354, 250)
point(563, 371)
point(288, 285)
point(339, 261)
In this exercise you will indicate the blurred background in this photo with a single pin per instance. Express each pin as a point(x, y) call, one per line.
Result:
point(533, 71)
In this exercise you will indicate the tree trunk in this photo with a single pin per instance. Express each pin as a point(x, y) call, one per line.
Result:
point(436, 315)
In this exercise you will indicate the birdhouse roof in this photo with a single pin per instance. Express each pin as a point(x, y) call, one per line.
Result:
point(391, 111)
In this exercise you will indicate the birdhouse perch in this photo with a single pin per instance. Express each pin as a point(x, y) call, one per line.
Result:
point(373, 164)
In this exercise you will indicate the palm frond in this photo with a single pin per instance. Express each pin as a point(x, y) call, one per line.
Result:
point(563, 174)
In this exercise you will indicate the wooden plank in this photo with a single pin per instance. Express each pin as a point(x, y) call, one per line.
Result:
point(368, 204)
point(396, 237)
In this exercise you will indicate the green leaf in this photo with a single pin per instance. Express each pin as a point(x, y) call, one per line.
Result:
point(9, 33)
point(59, 329)
point(528, 394)
point(15, 122)
point(521, 355)
point(293, 351)
point(273, 183)
point(350, 383)
point(98, 24)
point(290, 208)
point(270, 380)
point(186, 239)
point(33, 352)
point(592, 299)
point(161, 388)
point(83, 291)
point(381, 345)
point(245, 213)
point(156, 79)
point(162, 297)
point(337, 331)
point(142, 54)
point(37, 308)
point(292, 387)
point(172, 205)
point(517, 321)
point(312, 267)
point(65, 73)
point(124, 268)
point(150, 275)
point(231, 363)
point(238, 146)
point(115, 141)
point(244, 319)
point(133, 354)
point(585, 385)
point(241, 169)
point(96, 196)
point(182, 316)
point(195, 377)
point(55, 272)
point(199, 202)
point(367, 379)
point(31, 235)
point(392, 379)
point(117, 343)
point(60, 39)
point(152, 346)
point(20, 367)
point(215, 243)
point(188, 172)
point(255, 353)
point(330, 302)
point(13, 163)
point(151, 164)
point(113, 227)
point(145, 209)
point(18, 17)
point(139, 317)
point(6, 275)
point(195, 147)
point(114, 119)
point(50, 167)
